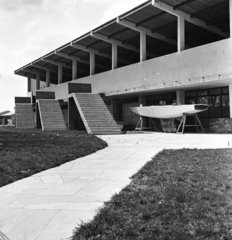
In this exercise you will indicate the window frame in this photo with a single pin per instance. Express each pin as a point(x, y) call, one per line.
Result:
point(209, 96)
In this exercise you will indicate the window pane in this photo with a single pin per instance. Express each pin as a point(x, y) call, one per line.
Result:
point(148, 98)
point(203, 92)
point(168, 96)
point(158, 102)
point(159, 97)
point(225, 106)
point(190, 100)
point(169, 102)
point(215, 106)
point(215, 91)
point(149, 103)
point(203, 100)
point(225, 90)
point(191, 94)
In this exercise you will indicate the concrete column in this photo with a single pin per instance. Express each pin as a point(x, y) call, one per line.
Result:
point(48, 73)
point(92, 63)
point(114, 56)
point(28, 84)
point(143, 47)
point(180, 97)
point(37, 82)
point(230, 9)
point(230, 99)
point(181, 33)
point(74, 69)
point(60, 74)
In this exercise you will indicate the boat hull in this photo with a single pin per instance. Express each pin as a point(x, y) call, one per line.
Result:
point(169, 111)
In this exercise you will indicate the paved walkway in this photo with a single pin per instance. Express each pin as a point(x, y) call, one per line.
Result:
point(50, 204)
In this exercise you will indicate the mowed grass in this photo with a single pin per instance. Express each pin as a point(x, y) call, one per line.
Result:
point(26, 152)
point(179, 195)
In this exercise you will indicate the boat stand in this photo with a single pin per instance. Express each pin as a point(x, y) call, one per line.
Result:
point(183, 121)
point(139, 127)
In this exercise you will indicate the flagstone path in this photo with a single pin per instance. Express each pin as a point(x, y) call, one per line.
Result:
point(50, 204)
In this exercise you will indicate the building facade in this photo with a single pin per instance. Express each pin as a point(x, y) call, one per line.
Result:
point(159, 53)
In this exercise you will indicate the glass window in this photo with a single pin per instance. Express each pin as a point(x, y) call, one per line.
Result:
point(168, 96)
point(225, 106)
point(215, 106)
point(161, 99)
point(191, 94)
point(191, 100)
point(225, 90)
point(215, 91)
point(203, 92)
point(217, 98)
point(203, 100)
point(149, 98)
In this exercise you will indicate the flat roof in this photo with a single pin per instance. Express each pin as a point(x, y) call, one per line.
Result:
point(160, 25)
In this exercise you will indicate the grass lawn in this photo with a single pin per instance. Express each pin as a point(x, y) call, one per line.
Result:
point(179, 195)
point(26, 152)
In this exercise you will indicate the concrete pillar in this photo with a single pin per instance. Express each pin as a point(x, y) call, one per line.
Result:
point(92, 63)
point(143, 47)
point(114, 56)
point(37, 82)
point(48, 73)
point(28, 84)
point(180, 97)
point(60, 74)
point(230, 9)
point(74, 69)
point(181, 34)
point(230, 99)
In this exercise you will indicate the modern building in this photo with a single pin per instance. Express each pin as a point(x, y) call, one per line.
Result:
point(7, 118)
point(159, 53)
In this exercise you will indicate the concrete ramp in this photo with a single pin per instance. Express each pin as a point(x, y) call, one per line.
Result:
point(24, 115)
point(95, 114)
point(51, 115)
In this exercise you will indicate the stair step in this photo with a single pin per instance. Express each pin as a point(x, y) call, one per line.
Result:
point(51, 115)
point(24, 116)
point(95, 114)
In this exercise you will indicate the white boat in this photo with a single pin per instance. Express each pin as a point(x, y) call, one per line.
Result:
point(169, 111)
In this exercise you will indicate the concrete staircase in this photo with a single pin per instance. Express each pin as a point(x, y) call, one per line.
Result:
point(24, 115)
point(51, 115)
point(95, 114)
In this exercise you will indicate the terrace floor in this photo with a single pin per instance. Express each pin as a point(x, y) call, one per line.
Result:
point(50, 204)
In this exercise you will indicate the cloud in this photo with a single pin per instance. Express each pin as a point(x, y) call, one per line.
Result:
point(19, 4)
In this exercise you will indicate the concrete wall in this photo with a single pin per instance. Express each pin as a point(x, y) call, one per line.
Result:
point(207, 60)
point(61, 90)
point(33, 85)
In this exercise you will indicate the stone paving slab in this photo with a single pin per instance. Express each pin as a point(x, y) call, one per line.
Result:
point(50, 204)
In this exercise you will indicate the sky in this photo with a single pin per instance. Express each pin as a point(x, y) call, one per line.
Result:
point(30, 29)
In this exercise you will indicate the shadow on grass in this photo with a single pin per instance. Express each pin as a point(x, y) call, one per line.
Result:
point(180, 194)
point(26, 152)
